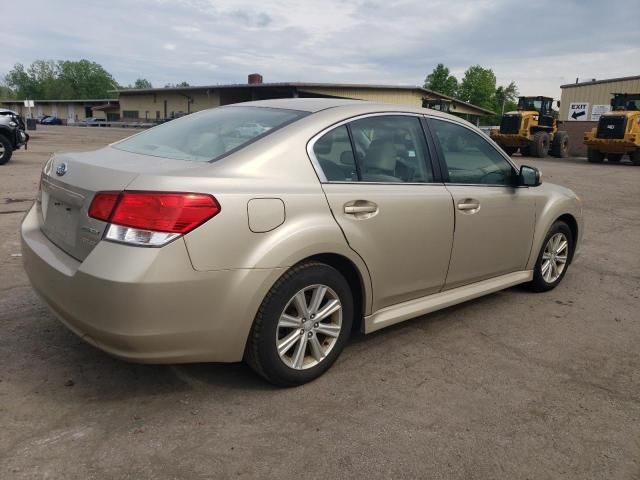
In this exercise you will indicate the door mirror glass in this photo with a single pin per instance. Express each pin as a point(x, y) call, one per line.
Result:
point(530, 176)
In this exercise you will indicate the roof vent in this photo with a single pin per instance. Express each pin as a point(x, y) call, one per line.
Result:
point(255, 79)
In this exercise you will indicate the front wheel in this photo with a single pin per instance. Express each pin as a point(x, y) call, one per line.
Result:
point(635, 157)
point(302, 325)
point(594, 156)
point(614, 157)
point(510, 150)
point(553, 259)
point(5, 150)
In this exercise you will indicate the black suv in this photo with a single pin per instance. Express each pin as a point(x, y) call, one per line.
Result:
point(12, 134)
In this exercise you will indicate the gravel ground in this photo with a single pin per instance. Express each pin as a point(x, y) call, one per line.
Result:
point(514, 385)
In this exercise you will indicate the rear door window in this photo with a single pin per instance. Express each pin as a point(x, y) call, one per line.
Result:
point(384, 149)
point(209, 135)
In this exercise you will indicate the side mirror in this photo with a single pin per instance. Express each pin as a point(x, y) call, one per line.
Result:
point(530, 176)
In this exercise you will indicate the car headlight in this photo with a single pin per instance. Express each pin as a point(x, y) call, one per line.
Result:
point(13, 124)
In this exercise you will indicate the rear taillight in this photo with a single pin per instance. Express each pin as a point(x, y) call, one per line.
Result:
point(151, 218)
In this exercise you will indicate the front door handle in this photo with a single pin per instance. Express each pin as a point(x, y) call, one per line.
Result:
point(361, 208)
point(351, 209)
point(469, 205)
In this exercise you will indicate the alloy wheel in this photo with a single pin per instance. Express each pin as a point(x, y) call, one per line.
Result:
point(554, 257)
point(309, 327)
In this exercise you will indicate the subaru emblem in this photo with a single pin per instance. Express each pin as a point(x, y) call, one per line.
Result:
point(61, 169)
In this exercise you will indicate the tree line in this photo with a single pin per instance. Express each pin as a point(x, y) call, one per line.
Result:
point(478, 86)
point(64, 80)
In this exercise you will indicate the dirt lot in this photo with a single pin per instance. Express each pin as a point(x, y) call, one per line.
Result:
point(515, 385)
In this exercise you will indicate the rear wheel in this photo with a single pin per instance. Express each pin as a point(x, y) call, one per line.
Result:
point(614, 157)
point(560, 145)
point(302, 325)
point(510, 150)
point(540, 144)
point(553, 259)
point(5, 150)
point(635, 157)
point(594, 156)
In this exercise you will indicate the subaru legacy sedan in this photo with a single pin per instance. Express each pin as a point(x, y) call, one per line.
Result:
point(268, 231)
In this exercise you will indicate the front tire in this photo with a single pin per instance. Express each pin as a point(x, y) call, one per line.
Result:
point(302, 325)
point(553, 259)
point(510, 150)
point(614, 157)
point(560, 145)
point(540, 144)
point(594, 156)
point(635, 157)
point(6, 150)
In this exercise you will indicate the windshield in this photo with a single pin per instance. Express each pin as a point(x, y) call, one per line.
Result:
point(209, 135)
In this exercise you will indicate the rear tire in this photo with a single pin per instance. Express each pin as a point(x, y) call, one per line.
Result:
point(510, 150)
point(560, 145)
point(287, 345)
point(553, 259)
point(614, 157)
point(594, 156)
point(540, 145)
point(6, 150)
point(635, 157)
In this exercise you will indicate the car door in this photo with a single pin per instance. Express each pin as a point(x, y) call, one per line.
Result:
point(385, 199)
point(494, 218)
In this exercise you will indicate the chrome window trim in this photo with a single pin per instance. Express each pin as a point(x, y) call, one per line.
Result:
point(493, 144)
point(316, 164)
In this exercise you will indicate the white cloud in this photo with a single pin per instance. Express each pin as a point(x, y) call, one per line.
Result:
point(538, 44)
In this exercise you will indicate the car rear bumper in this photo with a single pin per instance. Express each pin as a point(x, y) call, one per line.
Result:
point(146, 305)
point(612, 145)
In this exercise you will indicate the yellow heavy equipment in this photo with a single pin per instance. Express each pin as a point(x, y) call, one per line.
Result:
point(618, 131)
point(533, 129)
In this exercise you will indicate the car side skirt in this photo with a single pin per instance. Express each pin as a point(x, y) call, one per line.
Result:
point(421, 306)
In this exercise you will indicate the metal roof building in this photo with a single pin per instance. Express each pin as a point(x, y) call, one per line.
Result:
point(160, 103)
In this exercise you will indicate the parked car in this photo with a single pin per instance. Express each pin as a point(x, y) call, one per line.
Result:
point(51, 121)
point(40, 118)
point(93, 122)
point(13, 134)
point(189, 243)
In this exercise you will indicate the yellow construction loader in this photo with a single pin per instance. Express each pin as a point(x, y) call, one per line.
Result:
point(533, 129)
point(618, 131)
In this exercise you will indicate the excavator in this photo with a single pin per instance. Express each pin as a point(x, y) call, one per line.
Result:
point(618, 131)
point(533, 129)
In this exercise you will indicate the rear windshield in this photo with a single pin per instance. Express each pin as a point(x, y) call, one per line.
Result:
point(209, 135)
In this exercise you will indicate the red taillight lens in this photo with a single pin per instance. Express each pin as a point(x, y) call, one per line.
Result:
point(155, 211)
point(102, 205)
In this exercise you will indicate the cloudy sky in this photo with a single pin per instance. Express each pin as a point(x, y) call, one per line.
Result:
point(539, 44)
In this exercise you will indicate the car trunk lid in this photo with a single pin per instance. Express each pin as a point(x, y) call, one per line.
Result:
point(70, 181)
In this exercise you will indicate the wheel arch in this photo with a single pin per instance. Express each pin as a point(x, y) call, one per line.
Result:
point(354, 277)
point(572, 223)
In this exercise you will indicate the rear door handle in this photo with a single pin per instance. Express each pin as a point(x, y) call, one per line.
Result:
point(468, 204)
point(360, 208)
point(351, 209)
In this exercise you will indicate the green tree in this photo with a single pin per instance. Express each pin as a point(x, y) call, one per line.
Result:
point(142, 83)
point(50, 80)
point(84, 79)
point(478, 87)
point(6, 93)
point(442, 81)
point(505, 98)
point(174, 85)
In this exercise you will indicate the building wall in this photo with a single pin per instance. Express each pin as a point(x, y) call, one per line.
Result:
point(151, 106)
point(68, 112)
point(595, 94)
point(400, 96)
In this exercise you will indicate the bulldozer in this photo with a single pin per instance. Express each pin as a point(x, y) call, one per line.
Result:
point(533, 129)
point(618, 131)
